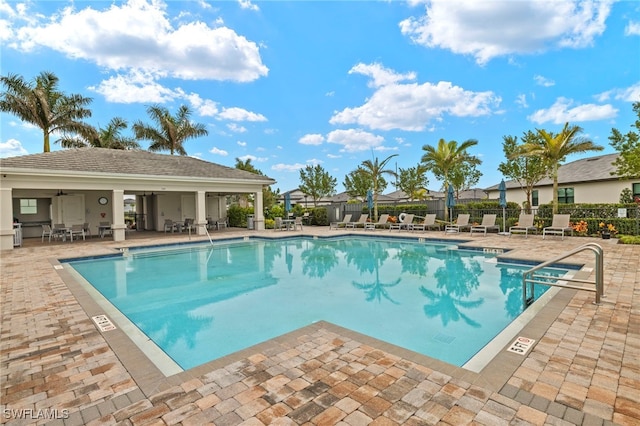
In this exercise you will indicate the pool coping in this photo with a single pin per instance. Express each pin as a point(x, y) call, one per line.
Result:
point(150, 379)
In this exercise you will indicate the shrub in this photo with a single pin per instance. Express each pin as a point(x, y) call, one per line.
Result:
point(629, 239)
point(320, 216)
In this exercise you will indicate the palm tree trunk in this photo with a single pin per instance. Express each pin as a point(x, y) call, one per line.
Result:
point(555, 188)
point(47, 147)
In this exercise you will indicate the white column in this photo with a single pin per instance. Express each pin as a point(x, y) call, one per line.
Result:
point(6, 219)
point(201, 213)
point(117, 208)
point(257, 211)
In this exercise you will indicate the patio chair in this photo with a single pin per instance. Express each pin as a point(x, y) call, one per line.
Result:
point(345, 220)
point(297, 223)
point(405, 223)
point(279, 225)
point(104, 228)
point(188, 224)
point(76, 230)
point(559, 226)
point(462, 222)
point(87, 229)
point(169, 225)
point(429, 222)
point(525, 223)
point(60, 230)
point(488, 223)
point(382, 222)
point(47, 232)
point(222, 223)
point(362, 220)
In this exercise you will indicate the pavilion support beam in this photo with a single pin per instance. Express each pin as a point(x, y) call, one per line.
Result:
point(117, 206)
point(201, 213)
point(6, 219)
point(258, 211)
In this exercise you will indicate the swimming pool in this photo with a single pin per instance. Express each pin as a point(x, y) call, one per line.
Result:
point(201, 302)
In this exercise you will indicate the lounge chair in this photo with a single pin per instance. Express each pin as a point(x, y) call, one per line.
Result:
point(488, 223)
point(407, 223)
point(461, 223)
point(382, 222)
point(559, 226)
point(222, 223)
point(47, 232)
point(525, 223)
point(362, 220)
point(336, 225)
point(429, 222)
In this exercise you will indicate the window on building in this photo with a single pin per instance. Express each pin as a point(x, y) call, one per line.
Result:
point(534, 198)
point(565, 196)
point(28, 206)
point(635, 188)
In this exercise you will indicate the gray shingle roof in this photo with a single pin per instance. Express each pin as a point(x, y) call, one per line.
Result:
point(121, 162)
point(584, 170)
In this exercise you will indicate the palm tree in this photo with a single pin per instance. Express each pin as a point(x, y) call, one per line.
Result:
point(172, 131)
point(443, 159)
point(43, 105)
point(109, 137)
point(554, 148)
point(375, 171)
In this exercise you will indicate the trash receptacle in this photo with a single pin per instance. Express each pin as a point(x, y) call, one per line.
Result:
point(250, 221)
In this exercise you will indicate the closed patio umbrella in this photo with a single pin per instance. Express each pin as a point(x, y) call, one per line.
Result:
point(287, 202)
point(370, 201)
point(451, 200)
point(503, 203)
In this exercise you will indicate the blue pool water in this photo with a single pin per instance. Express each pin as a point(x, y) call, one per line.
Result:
point(198, 303)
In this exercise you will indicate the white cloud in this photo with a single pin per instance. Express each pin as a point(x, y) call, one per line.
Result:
point(629, 94)
point(314, 161)
point(311, 139)
point(12, 148)
point(521, 100)
point(334, 156)
point(240, 114)
point(246, 4)
point(204, 107)
point(281, 167)
point(354, 140)
point(543, 81)
point(134, 87)
point(218, 151)
point(489, 29)
point(381, 76)
point(632, 28)
point(253, 158)
point(241, 143)
point(235, 128)
point(138, 35)
point(412, 106)
point(563, 111)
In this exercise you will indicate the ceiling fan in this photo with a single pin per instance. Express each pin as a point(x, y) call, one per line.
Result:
point(59, 193)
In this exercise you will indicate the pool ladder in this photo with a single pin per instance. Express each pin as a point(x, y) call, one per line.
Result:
point(529, 279)
point(206, 231)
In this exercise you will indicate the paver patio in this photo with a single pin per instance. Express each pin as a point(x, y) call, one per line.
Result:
point(58, 368)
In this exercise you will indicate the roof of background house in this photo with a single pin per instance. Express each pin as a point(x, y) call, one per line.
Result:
point(126, 162)
point(584, 170)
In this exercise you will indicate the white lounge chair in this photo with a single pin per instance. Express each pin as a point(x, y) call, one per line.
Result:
point(525, 224)
point(461, 223)
point(76, 230)
point(559, 226)
point(345, 220)
point(488, 223)
point(362, 220)
point(403, 224)
point(429, 222)
point(382, 222)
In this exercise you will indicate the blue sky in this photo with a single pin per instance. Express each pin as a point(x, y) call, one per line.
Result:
point(293, 83)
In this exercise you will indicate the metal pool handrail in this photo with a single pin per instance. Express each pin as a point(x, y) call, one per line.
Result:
point(529, 278)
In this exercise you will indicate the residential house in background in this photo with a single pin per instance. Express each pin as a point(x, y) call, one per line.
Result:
point(588, 180)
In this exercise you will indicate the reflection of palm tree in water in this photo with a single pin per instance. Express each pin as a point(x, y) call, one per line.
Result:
point(457, 280)
point(511, 286)
point(168, 330)
point(413, 259)
point(369, 257)
point(318, 259)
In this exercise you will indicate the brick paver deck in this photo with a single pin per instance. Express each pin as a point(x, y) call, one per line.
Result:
point(58, 368)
